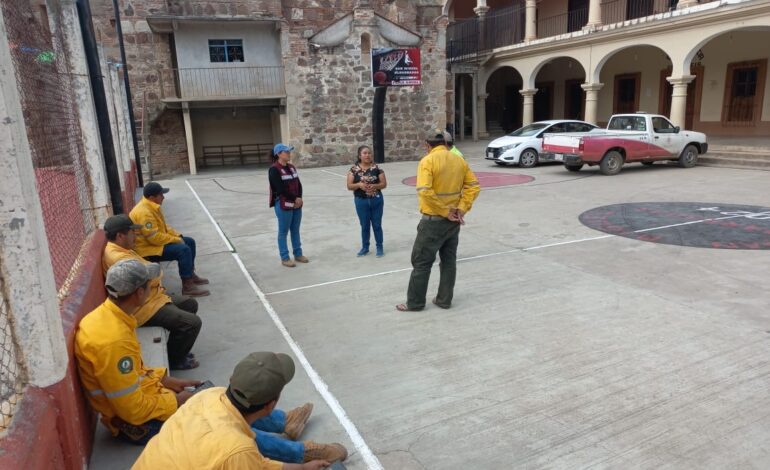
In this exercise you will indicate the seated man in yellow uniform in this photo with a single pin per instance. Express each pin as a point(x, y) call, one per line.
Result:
point(133, 399)
point(212, 430)
point(177, 315)
point(159, 241)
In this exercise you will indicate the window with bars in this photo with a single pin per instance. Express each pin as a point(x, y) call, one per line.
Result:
point(742, 94)
point(226, 50)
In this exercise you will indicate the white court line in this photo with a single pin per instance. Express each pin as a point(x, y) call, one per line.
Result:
point(368, 456)
point(488, 255)
point(335, 174)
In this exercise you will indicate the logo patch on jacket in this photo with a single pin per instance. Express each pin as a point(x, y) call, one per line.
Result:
point(125, 365)
point(148, 225)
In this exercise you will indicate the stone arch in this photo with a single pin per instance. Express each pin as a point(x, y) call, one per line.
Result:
point(504, 102)
point(558, 81)
point(707, 39)
point(596, 71)
point(539, 66)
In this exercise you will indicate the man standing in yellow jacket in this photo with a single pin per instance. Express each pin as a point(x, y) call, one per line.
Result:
point(160, 242)
point(133, 399)
point(446, 189)
point(177, 315)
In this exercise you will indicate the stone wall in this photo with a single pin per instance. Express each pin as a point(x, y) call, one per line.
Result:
point(330, 97)
point(168, 144)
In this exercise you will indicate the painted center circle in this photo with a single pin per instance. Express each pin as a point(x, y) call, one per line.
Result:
point(487, 179)
point(695, 224)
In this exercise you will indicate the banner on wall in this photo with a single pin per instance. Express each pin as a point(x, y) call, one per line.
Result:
point(396, 67)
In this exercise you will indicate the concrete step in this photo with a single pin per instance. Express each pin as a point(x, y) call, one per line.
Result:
point(730, 161)
point(733, 148)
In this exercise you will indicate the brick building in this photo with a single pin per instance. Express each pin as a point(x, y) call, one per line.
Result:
point(219, 82)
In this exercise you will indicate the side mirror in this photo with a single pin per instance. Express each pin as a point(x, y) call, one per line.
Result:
point(676, 130)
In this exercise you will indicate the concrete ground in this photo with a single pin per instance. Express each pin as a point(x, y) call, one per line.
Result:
point(561, 350)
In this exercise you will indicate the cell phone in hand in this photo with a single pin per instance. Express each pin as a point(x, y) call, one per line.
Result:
point(203, 386)
point(337, 466)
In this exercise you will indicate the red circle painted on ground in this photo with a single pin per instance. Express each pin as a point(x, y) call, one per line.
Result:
point(487, 179)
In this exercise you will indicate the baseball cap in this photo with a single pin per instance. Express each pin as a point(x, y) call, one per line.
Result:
point(153, 189)
point(124, 277)
point(436, 135)
point(120, 223)
point(260, 377)
point(282, 148)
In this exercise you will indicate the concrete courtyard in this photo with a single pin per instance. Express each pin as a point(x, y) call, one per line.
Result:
point(565, 347)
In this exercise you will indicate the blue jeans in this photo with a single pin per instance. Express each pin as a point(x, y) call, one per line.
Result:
point(288, 222)
point(369, 212)
point(275, 447)
point(182, 253)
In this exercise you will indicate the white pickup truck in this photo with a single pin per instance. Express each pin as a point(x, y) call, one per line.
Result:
point(629, 138)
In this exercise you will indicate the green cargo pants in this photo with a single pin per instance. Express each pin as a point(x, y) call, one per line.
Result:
point(437, 235)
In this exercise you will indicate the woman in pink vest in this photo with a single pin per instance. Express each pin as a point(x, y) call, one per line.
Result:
point(286, 198)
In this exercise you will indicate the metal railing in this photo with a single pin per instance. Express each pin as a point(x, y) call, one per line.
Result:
point(466, 39)
point(616, 11)
point(222, 82)
point(462, 40)
point(562, 24)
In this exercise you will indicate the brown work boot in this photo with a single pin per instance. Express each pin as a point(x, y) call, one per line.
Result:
point(288, 263)
point(328, 452)
point(190, 289)
point(199, 280)
point(301, 259)
point(296, 420)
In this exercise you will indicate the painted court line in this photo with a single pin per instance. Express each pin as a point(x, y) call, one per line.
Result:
point(368, 456)
point(335, 174)
point(498, 253)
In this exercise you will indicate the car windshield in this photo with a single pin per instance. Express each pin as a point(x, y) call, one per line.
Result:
point(529, 130)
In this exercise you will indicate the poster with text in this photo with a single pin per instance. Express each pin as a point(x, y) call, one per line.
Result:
point(396, 67)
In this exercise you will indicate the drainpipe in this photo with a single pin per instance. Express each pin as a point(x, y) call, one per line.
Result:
point(100, 103)
point(130, 100)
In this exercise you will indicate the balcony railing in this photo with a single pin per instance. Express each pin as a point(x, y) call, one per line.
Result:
point(616, 11)
point(467, 38)
point(222, 82)
point(561, 24)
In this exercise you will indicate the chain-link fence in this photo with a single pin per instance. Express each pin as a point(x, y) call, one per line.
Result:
point(63, 184)
point(53, 131)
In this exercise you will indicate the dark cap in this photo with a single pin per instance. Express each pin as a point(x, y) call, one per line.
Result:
point(260, 377)
point(120, 223)
point(153, 189)
point(125, 277)
point(435, 135)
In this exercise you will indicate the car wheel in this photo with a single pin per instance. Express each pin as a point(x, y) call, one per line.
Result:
point(689, 157)
point(501, 163)
point(647, 163)
point(611, 163)
point(528, 158)
point(573, 167)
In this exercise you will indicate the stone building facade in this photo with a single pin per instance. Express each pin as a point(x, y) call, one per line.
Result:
point(324, 106)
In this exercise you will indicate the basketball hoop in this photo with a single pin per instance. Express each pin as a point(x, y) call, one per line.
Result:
point(389, 61)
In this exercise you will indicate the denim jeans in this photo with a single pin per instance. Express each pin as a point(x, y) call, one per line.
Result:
point(433, 236)
point(182, 253)
point(288, 222)
point(273, 446)
point(369, 210)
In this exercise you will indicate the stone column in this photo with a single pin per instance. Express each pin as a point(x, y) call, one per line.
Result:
point(482, 114)
point(530, 28)
point(679, 98)
point(592, 100)
point(594, 14)
point(462, 109)
point(527, 115)
point(188, 133)
point(481, 8)
point(475, 106)
point(29, 308)
point(84, 102)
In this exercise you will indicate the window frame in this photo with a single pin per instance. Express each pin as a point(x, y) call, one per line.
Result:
point(226, 44)
point(759, 94)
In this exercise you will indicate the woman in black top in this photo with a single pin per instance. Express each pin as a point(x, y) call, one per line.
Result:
point(366, 180)
point(286, 197)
